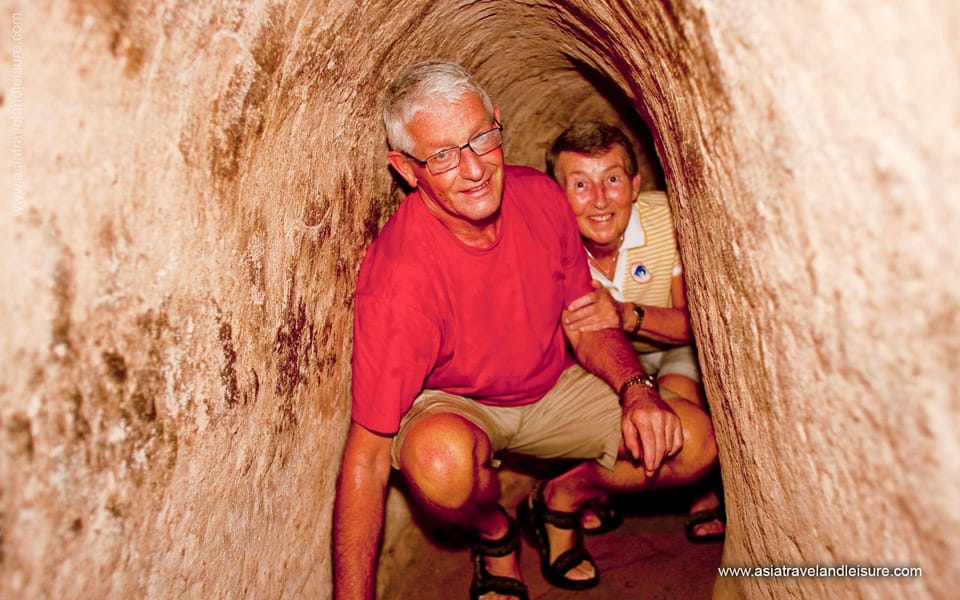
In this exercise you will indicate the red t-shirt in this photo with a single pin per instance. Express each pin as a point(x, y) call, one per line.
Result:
point(434, 313)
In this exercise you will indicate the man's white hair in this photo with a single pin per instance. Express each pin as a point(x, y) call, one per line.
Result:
point(418, 85)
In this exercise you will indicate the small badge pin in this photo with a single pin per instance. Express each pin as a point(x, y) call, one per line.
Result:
point(640, 273)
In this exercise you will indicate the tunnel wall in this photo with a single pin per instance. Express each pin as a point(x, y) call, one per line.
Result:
point(192, 185)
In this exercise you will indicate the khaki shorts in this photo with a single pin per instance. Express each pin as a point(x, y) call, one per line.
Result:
point(578, 419)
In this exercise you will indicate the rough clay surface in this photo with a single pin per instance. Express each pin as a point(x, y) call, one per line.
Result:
point(189, 187)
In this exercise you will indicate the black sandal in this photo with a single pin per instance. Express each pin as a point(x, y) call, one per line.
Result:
point(483, 581)
point(605, 512)
point(536, 516)
point(702, 517)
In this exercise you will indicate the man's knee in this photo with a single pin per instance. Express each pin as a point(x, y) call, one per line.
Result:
point(686, 398)
point(673, 385)
point(442, 457)
point(699, 440)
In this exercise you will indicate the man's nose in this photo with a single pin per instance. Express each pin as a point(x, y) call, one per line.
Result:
point(470, 165)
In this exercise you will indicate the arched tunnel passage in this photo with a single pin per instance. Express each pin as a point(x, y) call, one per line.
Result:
point(442, 554)
point(194, 184)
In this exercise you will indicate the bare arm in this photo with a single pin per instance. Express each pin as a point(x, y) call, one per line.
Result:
point(358, 513)
point(670, 325)
point(598, 310)
point(651, 430)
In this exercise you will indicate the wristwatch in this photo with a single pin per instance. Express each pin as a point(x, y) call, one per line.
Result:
point(638, 312)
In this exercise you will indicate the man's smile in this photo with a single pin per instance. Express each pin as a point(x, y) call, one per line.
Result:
point(478, 190)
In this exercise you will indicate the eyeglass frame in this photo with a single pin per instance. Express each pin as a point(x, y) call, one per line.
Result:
point(425, 162)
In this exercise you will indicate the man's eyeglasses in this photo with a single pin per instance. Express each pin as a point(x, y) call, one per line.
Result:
point(448, 158)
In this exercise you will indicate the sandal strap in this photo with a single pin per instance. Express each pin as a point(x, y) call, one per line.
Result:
point(557, 518)
point(536, 517)
point(569, 559)
point(705, 516)
point(609, 517)
point(483, 581)
point(502, 546)
point(506, 586)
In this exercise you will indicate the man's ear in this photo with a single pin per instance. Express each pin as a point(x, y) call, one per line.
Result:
point(637, 180)
point(496, 114)
point(402, 166)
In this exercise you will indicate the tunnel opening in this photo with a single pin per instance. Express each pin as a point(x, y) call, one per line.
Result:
point(573, 84)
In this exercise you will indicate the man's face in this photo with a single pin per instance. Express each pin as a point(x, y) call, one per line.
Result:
point(471, 192)
point(600, 192)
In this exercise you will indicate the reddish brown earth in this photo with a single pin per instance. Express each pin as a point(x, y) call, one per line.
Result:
point(189, 187)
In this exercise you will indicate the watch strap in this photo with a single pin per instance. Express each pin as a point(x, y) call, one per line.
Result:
point(638, 312)
point(638, 379)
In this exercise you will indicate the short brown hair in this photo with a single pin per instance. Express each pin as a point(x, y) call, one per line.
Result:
point(590, 138)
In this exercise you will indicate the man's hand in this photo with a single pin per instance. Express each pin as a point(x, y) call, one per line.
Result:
point(593, 311)
point(651, 430)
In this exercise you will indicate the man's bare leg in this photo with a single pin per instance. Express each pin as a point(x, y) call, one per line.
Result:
point(671, 386)
point(446, 461)
point(569, 491)
point(709, 500)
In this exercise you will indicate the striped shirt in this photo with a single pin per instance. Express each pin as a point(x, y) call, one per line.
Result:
point(648, 259)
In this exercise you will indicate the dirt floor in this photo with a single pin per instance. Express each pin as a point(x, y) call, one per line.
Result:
point(648, 557)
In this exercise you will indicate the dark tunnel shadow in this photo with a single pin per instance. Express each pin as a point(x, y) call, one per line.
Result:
point(630, 115)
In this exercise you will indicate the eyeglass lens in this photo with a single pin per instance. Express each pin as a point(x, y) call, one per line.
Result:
point(449, 158)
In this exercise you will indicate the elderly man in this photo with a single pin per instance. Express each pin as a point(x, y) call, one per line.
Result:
point(459, 354)
point(632, 251)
